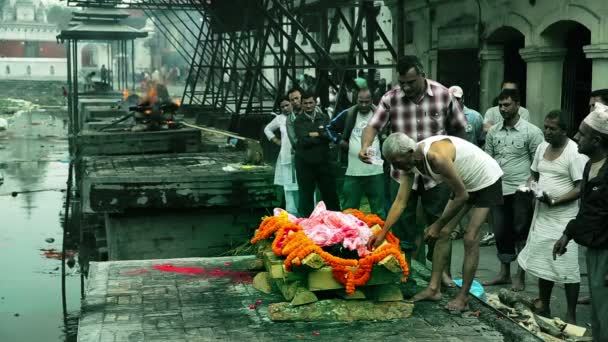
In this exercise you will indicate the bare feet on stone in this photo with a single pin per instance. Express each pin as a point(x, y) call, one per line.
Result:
point(500, 279)
point(519, 281)
point(427, 294)
point(518, 285)
point(584, 300)
point(459, 303)
point(571, 319)
point(447, 281)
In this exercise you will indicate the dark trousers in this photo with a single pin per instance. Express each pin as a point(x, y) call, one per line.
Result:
point(433, 201)
point(310, 176)
point(597, 269)
point(511, 224)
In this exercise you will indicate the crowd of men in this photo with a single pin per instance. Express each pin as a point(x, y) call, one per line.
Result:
point(542, 193)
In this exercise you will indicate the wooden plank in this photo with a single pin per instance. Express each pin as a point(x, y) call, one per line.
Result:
point(323, 278)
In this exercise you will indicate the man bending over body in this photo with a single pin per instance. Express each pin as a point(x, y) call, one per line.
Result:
point(475, 180)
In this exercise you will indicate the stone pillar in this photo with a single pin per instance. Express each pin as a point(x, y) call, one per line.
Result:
point(490, 76)
point(543, 80)
point(598, 53)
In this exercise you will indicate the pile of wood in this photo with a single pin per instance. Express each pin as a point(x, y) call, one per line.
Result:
point(523, 310)
point(302, 286)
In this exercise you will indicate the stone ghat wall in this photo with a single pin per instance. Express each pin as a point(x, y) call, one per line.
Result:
point(44, 93)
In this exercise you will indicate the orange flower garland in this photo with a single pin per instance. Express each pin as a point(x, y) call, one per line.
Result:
point(291, 242)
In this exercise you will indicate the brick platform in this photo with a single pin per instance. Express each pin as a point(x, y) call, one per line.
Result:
point(131, 301)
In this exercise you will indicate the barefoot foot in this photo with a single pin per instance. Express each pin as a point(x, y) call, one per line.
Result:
point(459, 304)
point(518, 285)
point(500, 279)
point(427, 294)
point(584, 300)
point(447, 281)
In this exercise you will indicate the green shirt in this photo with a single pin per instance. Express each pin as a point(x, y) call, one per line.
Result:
point(514, 149)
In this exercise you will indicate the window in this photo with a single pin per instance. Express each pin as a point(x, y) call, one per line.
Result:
point(28, 70)
point(52, 70)
point(32, 49)
point(7, 70)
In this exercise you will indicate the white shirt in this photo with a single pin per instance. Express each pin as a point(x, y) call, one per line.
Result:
point(476, 168)
point(355, 166)
point(280, 123)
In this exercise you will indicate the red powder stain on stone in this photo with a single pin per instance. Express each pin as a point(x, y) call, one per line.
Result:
point(235, 276)
point(252, 307)
point(136, 272)
point(316, 333)
point(227, 263)
point(174, 269)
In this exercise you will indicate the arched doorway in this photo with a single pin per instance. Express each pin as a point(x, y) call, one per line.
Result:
point(514, 69)
point(576, 79)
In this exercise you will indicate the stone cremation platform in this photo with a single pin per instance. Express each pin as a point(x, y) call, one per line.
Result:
point(175, 181)
point(215, 301)
point(123, 141)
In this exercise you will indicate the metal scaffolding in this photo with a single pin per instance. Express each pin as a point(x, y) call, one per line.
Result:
point(244, 54)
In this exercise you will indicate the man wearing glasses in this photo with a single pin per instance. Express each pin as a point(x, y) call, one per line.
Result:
point(420, 108)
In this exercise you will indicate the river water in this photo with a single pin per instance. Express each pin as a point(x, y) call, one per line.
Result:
point(34, 163)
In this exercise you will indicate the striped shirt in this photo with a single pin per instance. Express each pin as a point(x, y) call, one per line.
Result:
point(421, 119)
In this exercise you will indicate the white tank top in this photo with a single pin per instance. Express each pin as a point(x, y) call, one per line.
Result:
point(476, 168)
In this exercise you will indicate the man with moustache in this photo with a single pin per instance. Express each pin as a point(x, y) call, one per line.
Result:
point(420, 108)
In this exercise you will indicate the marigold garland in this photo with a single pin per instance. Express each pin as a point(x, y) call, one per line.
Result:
point(291, 242)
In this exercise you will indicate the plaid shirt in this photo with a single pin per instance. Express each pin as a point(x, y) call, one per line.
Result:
point(419, 119)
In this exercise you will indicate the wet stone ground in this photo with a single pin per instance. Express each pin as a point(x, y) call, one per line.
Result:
point(133, 301)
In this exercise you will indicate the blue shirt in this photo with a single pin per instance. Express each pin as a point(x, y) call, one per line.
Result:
point(474, 128)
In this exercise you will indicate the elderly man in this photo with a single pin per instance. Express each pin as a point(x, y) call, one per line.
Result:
point(590, 227)
point(473, 178)
point(474, 129)
point(513, 144)
point(493, 115)
point(420, 108)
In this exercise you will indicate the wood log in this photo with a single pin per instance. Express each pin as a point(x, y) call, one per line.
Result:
point(303, 296)
point(314, 261)
point(340, 310)
point(261, 282)
point(548, 326)
point(288, 288)
point(357, 295)
point(323, 278)
point(391, 264)
point(509, 298)
point(574, 330)
point(384, 293)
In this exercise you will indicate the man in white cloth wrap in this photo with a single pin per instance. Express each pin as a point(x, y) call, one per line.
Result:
point(557, 168)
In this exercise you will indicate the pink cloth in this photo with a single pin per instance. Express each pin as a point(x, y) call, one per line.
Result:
point(326, 228)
